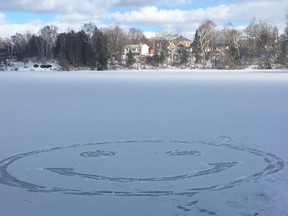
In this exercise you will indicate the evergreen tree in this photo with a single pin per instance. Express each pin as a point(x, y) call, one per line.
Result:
point(87, 53)
point(32, 50)
point(130, 59)
point(100, 46)
point(162, 57)
point(196, 51)
point(183, 55)
point(61, 50)
point(156, 58)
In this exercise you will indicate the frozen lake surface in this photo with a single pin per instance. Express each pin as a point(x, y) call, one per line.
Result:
point(144, 143)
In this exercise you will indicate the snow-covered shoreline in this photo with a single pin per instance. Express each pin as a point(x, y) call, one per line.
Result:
point(210, 76)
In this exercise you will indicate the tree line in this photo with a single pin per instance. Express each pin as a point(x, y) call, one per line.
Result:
point(259, 44)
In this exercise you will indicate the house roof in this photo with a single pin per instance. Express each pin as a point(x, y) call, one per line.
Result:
point(133, 46)
point(181, 39)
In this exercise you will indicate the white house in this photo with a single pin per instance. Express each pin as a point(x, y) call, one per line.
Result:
point(137, 49)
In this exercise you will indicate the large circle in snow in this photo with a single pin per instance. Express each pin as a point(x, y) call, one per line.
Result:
point(138, 168)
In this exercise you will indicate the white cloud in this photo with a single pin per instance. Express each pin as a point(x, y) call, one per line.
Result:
point(65, 11)
point(137, 13)
point(267, 10)
point(149, 34)
point(151, 15)
point(31, 5)
point(185, 20)
point(8, 29)
point(51, 6)
point(80, 6)
point(68, 15)
point(133, 3)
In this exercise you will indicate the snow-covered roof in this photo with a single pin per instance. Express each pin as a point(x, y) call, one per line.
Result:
point(133, 46)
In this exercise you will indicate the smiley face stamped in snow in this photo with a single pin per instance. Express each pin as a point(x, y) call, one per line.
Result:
point(138, 168)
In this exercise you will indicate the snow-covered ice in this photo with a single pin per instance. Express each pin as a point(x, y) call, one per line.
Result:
point(144, 143)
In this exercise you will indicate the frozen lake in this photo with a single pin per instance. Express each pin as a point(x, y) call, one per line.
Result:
point(144, 143)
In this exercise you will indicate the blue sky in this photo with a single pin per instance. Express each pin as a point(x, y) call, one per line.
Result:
point(182, 16)
point(25, 17)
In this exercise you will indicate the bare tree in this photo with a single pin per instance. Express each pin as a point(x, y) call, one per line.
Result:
point(117, 39)
point(283, 44)
point(46, 41)
point(205, 33)
point(10, 48)
point(286, 27)
point(231, 38)
point(162, 45)
point(264, 36)
point(20, 43)
point(136, 36)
